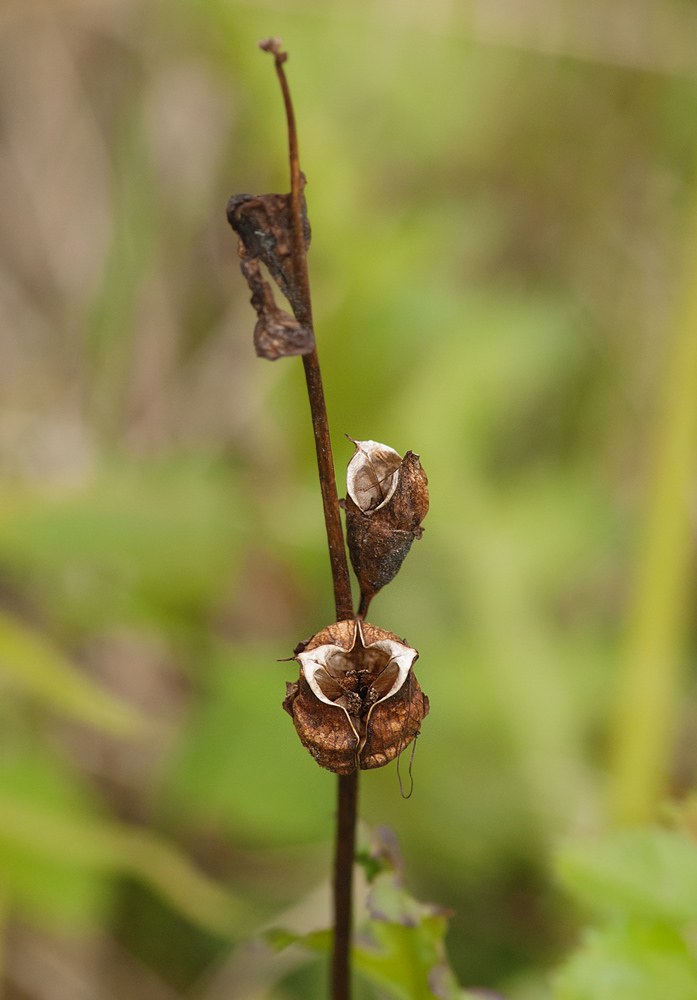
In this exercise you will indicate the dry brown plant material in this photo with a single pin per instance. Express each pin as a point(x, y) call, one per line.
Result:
point(357, 702)
point(277, 334)
point(387, 501)
point(264, 227)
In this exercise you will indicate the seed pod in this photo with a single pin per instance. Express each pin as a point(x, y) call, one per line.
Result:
point(357, 702)
point(387, 500)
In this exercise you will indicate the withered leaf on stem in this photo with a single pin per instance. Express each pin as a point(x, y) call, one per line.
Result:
point(277, 334)
point(263, 224)
point(357, 702)
point(386, 503)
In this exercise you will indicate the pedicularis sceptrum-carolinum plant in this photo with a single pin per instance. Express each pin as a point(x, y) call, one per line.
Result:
point(356, 703)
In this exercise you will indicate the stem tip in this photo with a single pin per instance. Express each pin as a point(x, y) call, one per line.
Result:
point(273, 45)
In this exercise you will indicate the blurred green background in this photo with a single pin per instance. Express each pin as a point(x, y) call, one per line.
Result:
point(501, 197)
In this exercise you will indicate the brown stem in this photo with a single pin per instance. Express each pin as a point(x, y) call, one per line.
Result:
point(343, 884)
point(313, 375)
point(348, 784)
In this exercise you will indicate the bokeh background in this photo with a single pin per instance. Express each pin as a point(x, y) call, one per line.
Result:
point(501, 196)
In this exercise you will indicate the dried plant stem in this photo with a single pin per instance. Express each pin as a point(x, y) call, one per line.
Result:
point(347, 810)
point(348, 784)
point(330, 499)
point(313, 375)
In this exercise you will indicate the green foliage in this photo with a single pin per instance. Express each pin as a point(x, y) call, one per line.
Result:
point(641, 872)
point(630, 961)
point(156, 540)
point(239, 766)
point(407, 954)
point(141, 543)
point(42, 870)
point(36, 668)
point(399, 945)
point(54, 855)
point(643, 884)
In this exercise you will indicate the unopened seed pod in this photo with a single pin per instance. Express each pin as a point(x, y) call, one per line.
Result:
point(387, 499)
point(357, 702)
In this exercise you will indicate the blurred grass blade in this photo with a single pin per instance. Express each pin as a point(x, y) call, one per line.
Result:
point(649, 680)
point(185, 888)
point(32, 665)
point(4, 913)
point(119, 849)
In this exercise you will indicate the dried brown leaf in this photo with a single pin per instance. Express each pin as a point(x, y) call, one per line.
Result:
point(264, 225)
point(277, 334)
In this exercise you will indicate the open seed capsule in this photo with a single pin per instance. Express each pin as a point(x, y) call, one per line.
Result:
point(357, 702)
point(387, 499)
